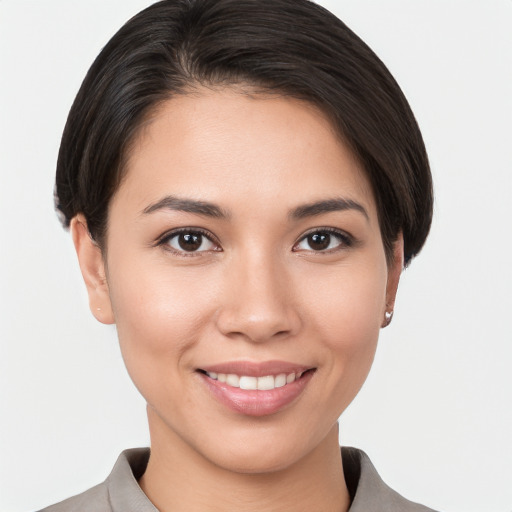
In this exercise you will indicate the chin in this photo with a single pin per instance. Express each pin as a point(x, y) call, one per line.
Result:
point(261, 450)
point(256, 461)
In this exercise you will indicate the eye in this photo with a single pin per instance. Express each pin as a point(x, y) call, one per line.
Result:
point(188, 241)
point(323, 240)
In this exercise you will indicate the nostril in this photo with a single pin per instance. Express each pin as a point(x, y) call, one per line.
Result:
point(257, 314)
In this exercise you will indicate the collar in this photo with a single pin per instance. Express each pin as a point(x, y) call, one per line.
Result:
point(367, 490)
point(123, 489)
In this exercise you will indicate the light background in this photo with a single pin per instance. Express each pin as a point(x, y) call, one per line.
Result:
point(436, 413)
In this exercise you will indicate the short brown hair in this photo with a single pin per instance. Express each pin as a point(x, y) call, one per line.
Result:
point(292, 47)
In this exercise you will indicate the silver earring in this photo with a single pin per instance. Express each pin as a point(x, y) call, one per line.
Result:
point(388, 316)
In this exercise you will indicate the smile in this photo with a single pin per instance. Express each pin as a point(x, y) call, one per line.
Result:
point(256, 389)
point(265, 383)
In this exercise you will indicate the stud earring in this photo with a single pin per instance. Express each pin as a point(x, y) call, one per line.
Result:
point(388, 316)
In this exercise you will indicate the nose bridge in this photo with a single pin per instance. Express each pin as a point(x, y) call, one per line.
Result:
point(258, 301)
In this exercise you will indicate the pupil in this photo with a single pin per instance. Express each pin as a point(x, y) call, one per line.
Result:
point(190, 241)
point(319, 241)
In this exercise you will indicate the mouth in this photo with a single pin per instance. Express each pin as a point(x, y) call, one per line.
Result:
point(256, 389)
point(249, 382)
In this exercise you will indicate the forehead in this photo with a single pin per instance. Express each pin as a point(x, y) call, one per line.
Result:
point(224, 144)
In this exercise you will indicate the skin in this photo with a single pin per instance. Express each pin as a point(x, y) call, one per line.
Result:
point(258, 292)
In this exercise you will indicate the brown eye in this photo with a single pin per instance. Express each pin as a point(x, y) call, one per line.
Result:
point(190, 241)
point(323, 241)
point(319, 241)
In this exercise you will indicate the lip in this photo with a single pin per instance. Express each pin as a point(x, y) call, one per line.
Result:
point(256, 402)
point(256, 368)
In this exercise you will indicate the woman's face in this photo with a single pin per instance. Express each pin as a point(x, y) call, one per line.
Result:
point(244, 246)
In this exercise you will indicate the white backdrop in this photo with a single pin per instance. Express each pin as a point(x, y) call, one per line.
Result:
point(436, 413)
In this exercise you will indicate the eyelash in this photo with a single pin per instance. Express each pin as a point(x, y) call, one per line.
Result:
point(164, 240)
point(346, 241)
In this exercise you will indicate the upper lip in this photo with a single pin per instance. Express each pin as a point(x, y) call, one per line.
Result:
point(256, 368)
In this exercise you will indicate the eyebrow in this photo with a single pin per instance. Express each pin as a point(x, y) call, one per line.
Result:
point(329, 205)
point(198, 207)
point(208, 209)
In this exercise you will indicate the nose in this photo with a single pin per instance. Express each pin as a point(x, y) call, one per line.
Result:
point(258, 301)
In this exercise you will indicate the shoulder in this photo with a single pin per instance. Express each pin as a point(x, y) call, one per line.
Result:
point(368, 491)
point(120, 492)
point(93, 500)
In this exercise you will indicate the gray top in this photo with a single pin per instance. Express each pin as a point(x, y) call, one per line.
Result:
point(120, 492)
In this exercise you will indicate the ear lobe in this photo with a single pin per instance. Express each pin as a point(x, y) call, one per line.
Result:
point(395, 268)
point(92, 266)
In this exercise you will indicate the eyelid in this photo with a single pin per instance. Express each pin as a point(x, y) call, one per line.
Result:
point(347, 240)
point(163, 240)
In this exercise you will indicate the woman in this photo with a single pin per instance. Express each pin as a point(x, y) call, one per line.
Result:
point(244, 182)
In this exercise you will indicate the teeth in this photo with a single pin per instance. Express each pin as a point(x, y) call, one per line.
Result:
point(248, 382)
point(280, 380)
point(265, 383)
point(233, 380)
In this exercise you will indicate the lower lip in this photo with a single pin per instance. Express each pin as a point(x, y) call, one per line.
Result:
point(257, 402)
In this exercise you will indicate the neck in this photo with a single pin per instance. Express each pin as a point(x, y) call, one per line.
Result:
point(179, 479)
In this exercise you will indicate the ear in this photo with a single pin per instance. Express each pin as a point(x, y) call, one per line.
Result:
point(92, 266)
point(395, 267)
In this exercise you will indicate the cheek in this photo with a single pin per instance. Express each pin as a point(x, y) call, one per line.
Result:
point(160, 316)
point(347, 318)
point(348, 302)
